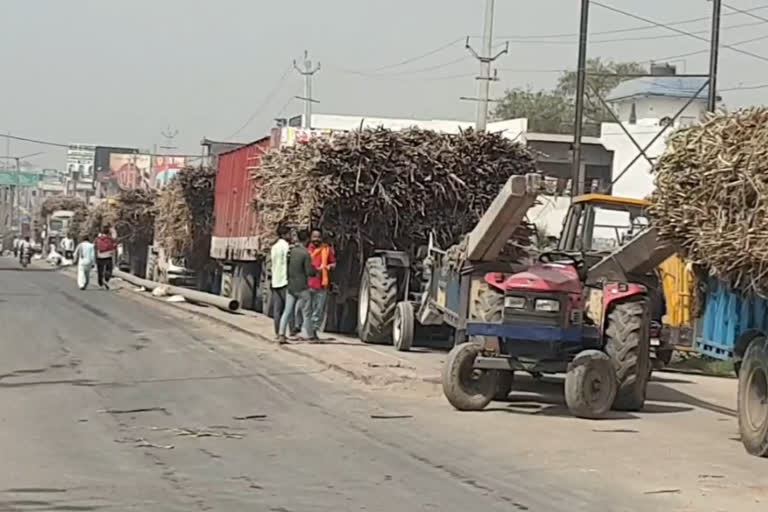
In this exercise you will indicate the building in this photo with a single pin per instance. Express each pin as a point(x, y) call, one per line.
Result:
point(647, 106)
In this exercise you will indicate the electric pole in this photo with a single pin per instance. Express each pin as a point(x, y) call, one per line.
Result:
point(308, 100)
point(713, 55)
point(578, 177)
point(485, 78)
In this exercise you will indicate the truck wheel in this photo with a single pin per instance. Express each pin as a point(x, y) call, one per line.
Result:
point(504, 384)
point(466, 388)
point(378, 299)
point(403, 326)
point(753, 398)
point(489, 304)
point(590, 384)
point(226, 284)
point(628, 346)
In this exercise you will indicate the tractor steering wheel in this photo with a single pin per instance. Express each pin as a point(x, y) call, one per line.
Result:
point(554, 256)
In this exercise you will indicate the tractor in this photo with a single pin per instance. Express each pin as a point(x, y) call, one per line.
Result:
point(568, 312)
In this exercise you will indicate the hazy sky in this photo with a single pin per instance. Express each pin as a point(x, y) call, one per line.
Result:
point(117, 72)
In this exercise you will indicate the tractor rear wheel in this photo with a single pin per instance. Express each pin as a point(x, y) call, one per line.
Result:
point(489, 304)
point(628, 345)
point(466, 388)
point(590, 384)
point(378, 300)
point(753, 398)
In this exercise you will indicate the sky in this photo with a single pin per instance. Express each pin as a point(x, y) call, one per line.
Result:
point(120, 72)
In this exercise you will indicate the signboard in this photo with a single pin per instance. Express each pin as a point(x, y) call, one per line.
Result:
point(291, 136)
point(80, 161)
point(129, 172)
point(166, 168)
point(19, 179)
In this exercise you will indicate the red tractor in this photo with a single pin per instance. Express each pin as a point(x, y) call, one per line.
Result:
point(572, 312)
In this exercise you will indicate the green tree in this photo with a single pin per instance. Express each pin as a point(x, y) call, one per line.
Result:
point(553, 111)
point(546, 111)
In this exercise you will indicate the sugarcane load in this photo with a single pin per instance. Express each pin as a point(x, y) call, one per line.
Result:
point(378, 189)
point(711, 197)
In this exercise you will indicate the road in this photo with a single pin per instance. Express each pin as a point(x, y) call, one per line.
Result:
point(108, 403)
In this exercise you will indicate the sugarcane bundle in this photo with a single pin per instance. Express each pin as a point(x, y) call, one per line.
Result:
point(711, 196)
point(387, 189)
point(55, 203)
point(184, 219)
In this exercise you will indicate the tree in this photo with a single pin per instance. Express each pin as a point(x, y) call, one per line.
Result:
point(599, 81)
point(546, 111)
point(553, 111)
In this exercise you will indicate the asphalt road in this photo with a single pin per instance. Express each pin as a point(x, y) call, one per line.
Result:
point(107, 403)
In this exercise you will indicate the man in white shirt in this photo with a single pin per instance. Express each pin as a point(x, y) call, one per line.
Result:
point(278, 257)
point(85, 255)
point(68, 247)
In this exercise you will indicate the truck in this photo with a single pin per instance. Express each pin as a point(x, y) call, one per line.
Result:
point(236, 239)
point(57, 227)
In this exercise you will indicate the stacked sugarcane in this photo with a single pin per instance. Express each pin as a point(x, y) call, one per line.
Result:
point(184, 217)
point(711, 197)
point(386, 189)
point(74, 204)
point(131, 213)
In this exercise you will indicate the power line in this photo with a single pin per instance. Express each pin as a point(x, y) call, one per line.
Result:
point(746, 12)
point(267, 99)
point(417, 57)
point(631, 29)
point(35, 141)
point(679, 31)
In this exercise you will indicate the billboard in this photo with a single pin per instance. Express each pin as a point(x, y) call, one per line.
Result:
point(80, 161)
point(105, 182)
point(127, 171)
point(166, 167)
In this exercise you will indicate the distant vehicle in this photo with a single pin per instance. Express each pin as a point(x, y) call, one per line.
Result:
point(57, 226)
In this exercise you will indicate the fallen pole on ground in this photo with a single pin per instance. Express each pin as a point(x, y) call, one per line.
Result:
point(224, 303)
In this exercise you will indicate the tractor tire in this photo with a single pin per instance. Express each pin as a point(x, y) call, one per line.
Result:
point(590, 385)
point(504, 383)
point(489, 304)
point(753, 398)
point(628, 345)
point(465, 388)
point(403, 327)
point(226, 284)
point(378, 300)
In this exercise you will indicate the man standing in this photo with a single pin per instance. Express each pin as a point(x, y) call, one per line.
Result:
point(324, 260)
point(278, 256)
point(105, 255)
point(67, 247)
point(84, 256)
point(300, 269)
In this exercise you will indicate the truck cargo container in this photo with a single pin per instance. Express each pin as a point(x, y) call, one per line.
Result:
point(235, 243)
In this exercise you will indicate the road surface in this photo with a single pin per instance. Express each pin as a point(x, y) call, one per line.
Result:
point(108, 403)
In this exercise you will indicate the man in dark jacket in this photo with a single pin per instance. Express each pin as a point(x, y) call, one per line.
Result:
point(300, 269)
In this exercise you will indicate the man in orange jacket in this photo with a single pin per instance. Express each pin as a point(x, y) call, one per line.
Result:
point(324, 260)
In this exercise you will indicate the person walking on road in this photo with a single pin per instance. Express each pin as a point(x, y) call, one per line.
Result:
point(105, 255)
point(300, 269)
point(324, 260)
point(278, 256)
point(84, 255)
point(67, 247)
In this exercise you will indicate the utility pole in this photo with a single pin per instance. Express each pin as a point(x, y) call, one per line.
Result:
point(308, 100)
point(578, 171)
point(169, 135)
point(485, 78)
point(713, 55)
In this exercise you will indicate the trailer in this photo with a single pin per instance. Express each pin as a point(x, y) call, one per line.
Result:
point(733, 326)
point(236, 241)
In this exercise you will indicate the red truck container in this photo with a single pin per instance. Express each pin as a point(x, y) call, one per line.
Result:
point(235, 240)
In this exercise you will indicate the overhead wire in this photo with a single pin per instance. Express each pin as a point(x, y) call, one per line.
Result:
point(264, 103)
point(679, 31)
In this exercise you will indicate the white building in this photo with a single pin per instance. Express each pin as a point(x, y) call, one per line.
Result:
point(645, 106)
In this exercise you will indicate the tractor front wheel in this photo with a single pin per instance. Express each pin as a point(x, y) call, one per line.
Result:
point(628, 345)
point(590, 385)
point(378, 300)
point(467, 388)
point(753, 398)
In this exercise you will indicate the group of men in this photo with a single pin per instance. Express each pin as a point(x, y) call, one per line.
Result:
point(301, 276)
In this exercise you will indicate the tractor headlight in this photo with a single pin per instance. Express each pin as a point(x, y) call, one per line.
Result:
point(547, 305)
point(514, 302)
